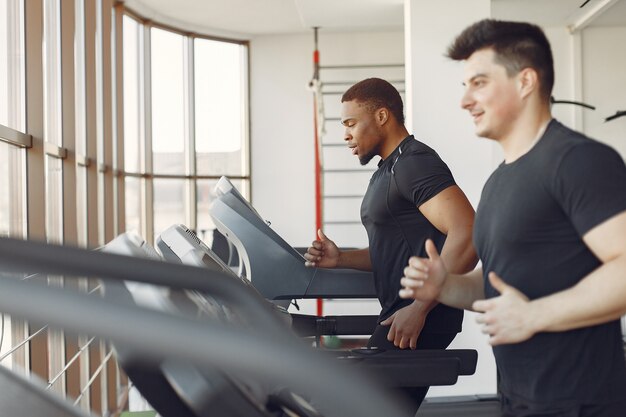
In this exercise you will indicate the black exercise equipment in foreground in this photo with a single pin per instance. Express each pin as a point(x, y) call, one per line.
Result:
point(22, 397)
point(174, 388)
point(466, 406)
point(162, 338)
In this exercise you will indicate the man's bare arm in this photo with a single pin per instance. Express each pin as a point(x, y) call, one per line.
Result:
point(452, 214)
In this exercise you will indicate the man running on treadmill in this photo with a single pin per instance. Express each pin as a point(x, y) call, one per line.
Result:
point(550, 232)
point(411, 197)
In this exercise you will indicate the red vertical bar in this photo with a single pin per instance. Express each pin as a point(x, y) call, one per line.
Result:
point(318, 165)
point(318, 194)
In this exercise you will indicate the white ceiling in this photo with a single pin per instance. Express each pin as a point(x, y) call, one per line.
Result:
point(248, 18)
point(244, 19)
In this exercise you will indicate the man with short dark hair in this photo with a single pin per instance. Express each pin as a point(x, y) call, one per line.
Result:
point(550, 231)
point(410, 198)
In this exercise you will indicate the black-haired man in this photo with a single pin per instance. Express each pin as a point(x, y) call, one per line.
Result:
point(552, 223)
point(411, 197)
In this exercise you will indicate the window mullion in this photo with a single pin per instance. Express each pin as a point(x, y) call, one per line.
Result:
point(190, 137)
point(147, 188)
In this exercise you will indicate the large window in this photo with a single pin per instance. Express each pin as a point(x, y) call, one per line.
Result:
point(220, 108)
point(185, 125)
point(168, 115)
point(181, 104)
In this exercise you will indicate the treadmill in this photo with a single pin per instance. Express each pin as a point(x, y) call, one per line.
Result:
point(393, 368)
point(277, 270)
point(199, 354)
point(263, 253)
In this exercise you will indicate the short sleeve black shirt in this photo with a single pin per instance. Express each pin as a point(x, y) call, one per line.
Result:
point(529, 226)
point(397, 230)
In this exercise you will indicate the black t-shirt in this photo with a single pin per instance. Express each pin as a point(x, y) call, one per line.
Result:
point(397, 230)
point(529, 226)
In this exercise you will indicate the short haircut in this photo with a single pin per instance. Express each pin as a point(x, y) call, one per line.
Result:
point(375, 94)
point(516, 45)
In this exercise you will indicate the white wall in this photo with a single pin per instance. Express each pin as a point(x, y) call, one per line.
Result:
point(436, 117)
point(435, 84)
point(565, 75)
point(281, 123)
point(282, 142)
point(604, 83)
point(282, 135)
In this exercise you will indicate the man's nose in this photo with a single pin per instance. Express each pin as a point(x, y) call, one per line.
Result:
point(466, 100)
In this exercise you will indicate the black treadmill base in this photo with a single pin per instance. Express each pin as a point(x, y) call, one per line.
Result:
point(472, 407)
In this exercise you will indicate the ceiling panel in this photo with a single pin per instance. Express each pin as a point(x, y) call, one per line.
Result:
point(549, 13)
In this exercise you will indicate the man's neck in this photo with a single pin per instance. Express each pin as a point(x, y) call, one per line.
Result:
point(524, 135)
point(392, 141)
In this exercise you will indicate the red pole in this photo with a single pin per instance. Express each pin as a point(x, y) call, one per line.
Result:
point(318, 163)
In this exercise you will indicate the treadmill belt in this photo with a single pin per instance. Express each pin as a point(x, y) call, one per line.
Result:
point(468, 408)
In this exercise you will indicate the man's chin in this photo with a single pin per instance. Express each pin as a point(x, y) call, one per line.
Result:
point(486, 135)
point(482, 133)
point(366, 159)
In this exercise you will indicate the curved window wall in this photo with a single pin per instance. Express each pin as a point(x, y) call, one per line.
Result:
point(116, 123)
point(185, 124)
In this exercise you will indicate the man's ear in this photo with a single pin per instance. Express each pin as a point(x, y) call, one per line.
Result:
point(382, 116)
point(528, 80)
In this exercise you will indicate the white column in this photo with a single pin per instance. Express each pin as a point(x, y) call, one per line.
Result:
point(434, 114)
point(435, 89)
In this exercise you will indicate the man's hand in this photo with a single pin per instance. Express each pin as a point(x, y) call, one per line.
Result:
point(323, 253)
point(505, 318)
point(406, 325)
point(424, 278)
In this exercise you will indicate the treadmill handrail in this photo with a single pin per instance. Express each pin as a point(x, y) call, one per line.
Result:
point(33, 256)
point(205, 344)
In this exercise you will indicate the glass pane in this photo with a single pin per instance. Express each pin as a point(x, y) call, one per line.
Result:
point(80, 107)
point(168, 122)
point(220, 104)
point(54, 200)
point(81, 205)
point(12, 87)
point(12, 191)
point(133, 204)
point(205, 195)
point(52, 72)
point(12, 223)
point(131, 94)
point(5, 196)
point(169, 204)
